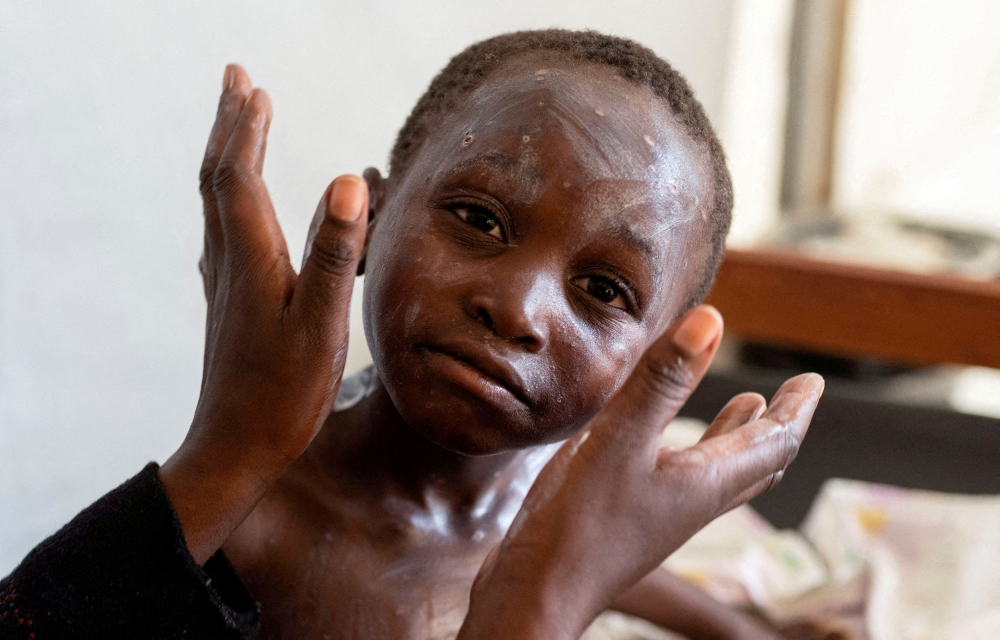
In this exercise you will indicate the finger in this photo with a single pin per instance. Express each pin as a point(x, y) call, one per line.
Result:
point(750, 459)
point(788, 400)
point(322, 296)
point(235, 90)
point(249, 226)
point(663, 380)
point(737, 412)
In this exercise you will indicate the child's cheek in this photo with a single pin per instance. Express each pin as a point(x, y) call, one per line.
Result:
point(412, 268)
point(601, 363)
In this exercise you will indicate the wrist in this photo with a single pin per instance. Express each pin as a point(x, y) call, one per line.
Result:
point(733, 625)
point(213, 487)
point(237, 435)
point(750, 627)
point(515, 618)
point(524, 604)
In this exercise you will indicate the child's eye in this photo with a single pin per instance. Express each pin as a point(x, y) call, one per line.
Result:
point(480, 218)
point(604, 289)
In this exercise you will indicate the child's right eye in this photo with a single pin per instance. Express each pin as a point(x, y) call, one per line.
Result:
point(480, 218)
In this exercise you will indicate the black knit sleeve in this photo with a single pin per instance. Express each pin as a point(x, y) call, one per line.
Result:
point(121, 569)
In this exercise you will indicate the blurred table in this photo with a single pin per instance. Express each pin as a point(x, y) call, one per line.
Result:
point(787, 299)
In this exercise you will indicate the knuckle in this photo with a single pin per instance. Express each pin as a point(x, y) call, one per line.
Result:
point(334, 258)
point(688, 465)
point(670, 376)
point(773, 480)
point(206, 180)
point(789, 443)
point(227, 177)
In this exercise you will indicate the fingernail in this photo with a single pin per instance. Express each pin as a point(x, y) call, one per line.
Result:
point(699, 327)
point(348, 198)
point(227, 78)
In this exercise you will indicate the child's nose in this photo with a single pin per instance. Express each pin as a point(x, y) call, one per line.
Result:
point(516, 309)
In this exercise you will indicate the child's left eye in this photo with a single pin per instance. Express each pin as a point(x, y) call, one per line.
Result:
point(480, 218)
point(604, 289)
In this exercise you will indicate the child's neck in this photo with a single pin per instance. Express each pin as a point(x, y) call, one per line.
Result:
point(373, 443)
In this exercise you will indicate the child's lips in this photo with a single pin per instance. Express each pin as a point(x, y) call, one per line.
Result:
point(475, 368)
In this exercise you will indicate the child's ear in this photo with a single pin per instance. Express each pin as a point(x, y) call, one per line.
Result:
point(376, 198)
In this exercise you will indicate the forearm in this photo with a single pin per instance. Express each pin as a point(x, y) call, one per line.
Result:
point(510, 621)
point(521, 601)
point(526, 610)
point(673, 603)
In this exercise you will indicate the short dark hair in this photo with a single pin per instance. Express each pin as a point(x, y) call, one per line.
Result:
point(636, 63)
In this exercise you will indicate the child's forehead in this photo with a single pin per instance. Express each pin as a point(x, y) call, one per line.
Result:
point(609, 139)
point(591, 97)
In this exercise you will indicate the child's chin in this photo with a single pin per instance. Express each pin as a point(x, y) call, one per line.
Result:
point(467, 439)
point(462, 423)
point(464, 434)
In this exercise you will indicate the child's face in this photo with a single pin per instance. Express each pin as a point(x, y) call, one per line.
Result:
point(548, 230)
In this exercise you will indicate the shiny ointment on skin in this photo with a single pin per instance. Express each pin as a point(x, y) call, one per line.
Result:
point(547, 231)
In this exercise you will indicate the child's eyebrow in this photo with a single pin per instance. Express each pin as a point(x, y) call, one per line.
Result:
point(524, 174)
point(624, 231)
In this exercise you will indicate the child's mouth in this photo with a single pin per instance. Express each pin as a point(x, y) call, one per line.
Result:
point(473, 368)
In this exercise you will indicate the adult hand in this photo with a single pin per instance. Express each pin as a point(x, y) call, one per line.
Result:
point(276, 341)
point(612, 505)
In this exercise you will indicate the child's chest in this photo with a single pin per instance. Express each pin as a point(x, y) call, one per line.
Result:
point(349, 573)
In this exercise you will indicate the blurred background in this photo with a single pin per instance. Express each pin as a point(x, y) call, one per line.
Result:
point(862, 133)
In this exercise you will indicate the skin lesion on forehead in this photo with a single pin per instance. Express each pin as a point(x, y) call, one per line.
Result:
point(623, 125)
point(595, 93)
point(607, 128)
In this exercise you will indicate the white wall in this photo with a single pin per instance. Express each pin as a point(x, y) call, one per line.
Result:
point(104, 109)
point(752, 117)
point(919, 128)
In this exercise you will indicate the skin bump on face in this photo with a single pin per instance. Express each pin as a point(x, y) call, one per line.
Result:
point(551, 227)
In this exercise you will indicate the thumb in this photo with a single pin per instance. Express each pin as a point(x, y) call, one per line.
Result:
point(663, 380)
point(336, 237)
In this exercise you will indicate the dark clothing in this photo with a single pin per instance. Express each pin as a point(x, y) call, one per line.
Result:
point(121, 569)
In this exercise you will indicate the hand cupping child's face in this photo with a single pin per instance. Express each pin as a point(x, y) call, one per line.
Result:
point(548, 230)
